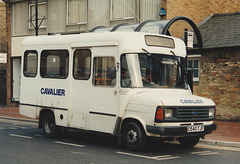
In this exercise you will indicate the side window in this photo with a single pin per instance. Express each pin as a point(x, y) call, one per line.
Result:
point(125, 79)
point(30, 64)
point(102, 66)
point(194, 65)
point(54, 64)
point(82, 64)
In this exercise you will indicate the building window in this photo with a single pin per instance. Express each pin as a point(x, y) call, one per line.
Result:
point(54, 64)
point(122, 9)
point(82, 64)
point(30, 63)
point(194, 65)
point(42, 12)
point(77, 12)
point(149, 9)
point(101, 71)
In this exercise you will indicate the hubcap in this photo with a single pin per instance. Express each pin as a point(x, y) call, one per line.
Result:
point(132, 136)
point(48, 126)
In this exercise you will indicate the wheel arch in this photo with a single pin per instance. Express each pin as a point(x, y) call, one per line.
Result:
point(133, 119)
point(43, 112)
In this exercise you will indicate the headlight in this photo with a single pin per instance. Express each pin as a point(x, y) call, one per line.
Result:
point(211, 112)
point(168, 113)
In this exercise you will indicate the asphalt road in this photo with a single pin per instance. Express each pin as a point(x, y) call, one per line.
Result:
point(22, 142)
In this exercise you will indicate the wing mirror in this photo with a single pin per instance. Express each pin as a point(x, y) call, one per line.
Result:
point(112, 73)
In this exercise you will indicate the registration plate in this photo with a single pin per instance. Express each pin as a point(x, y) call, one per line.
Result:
point(195, 128)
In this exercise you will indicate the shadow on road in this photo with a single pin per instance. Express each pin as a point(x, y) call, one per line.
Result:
point(108, 141)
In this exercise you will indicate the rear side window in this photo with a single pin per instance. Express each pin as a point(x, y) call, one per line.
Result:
point(54, 64)
point(82, 64)
point(30, 63)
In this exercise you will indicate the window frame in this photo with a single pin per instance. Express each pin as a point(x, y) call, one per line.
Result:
point(79, 22)
point(122, 18)
point(24, 61)
point(30, 26)
point(122, 58)
point(74, 64)
point(94, 69)
point(194, 58)
point(67, 64)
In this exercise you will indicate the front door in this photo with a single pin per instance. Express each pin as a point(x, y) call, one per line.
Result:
point(103, 107)
point(16, 79)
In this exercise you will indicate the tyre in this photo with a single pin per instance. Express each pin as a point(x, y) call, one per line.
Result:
point(134, 137)
point(188, 141)
point(49, 126)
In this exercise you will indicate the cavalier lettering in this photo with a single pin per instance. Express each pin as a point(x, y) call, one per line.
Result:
point(53, 91)
point(188, 101)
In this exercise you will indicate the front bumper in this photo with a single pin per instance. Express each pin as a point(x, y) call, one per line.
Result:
point(178, 131)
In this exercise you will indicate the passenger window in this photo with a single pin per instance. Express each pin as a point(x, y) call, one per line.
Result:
point(102, 66)
point(54, 64)
point(82, 64)
point(30, 64)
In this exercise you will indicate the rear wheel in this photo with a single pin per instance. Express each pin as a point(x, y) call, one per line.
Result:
point(49, 126)
point(188, 141)
point(134, 137)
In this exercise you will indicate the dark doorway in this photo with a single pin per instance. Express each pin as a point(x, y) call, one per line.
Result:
point(3, 86)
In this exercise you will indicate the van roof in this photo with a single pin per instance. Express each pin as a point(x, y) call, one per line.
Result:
point(126, 41)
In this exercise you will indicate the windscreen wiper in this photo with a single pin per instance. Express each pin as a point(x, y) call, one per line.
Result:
point(180, 64)
point(152, 55)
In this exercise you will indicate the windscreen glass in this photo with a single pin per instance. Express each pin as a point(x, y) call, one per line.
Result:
point(155, 70)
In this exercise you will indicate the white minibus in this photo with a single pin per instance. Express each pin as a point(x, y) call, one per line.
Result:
point(128, 84)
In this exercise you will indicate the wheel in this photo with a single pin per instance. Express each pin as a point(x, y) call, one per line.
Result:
point(49, 126)
point(188, 141)
point(134, 137)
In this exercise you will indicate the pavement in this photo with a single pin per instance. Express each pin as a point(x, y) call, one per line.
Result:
point(227, 133)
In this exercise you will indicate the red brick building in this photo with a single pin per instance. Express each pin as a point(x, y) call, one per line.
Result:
point(198, 10)
point(219, 69)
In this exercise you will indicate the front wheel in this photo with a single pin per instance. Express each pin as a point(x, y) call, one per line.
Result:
point(188, 141)
point(134, 137)
point(49, 126)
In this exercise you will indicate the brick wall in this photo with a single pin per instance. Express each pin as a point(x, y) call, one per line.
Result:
point(198, 10)
point(220, 81)
point(3, 45)
point(9, 67)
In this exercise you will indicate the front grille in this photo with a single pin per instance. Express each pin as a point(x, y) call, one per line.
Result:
point(192, 113)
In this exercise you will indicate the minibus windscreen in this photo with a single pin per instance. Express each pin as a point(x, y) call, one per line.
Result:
point(165, 71)
point(157, 71)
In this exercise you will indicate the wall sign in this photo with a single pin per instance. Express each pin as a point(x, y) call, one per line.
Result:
point(3, 58)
